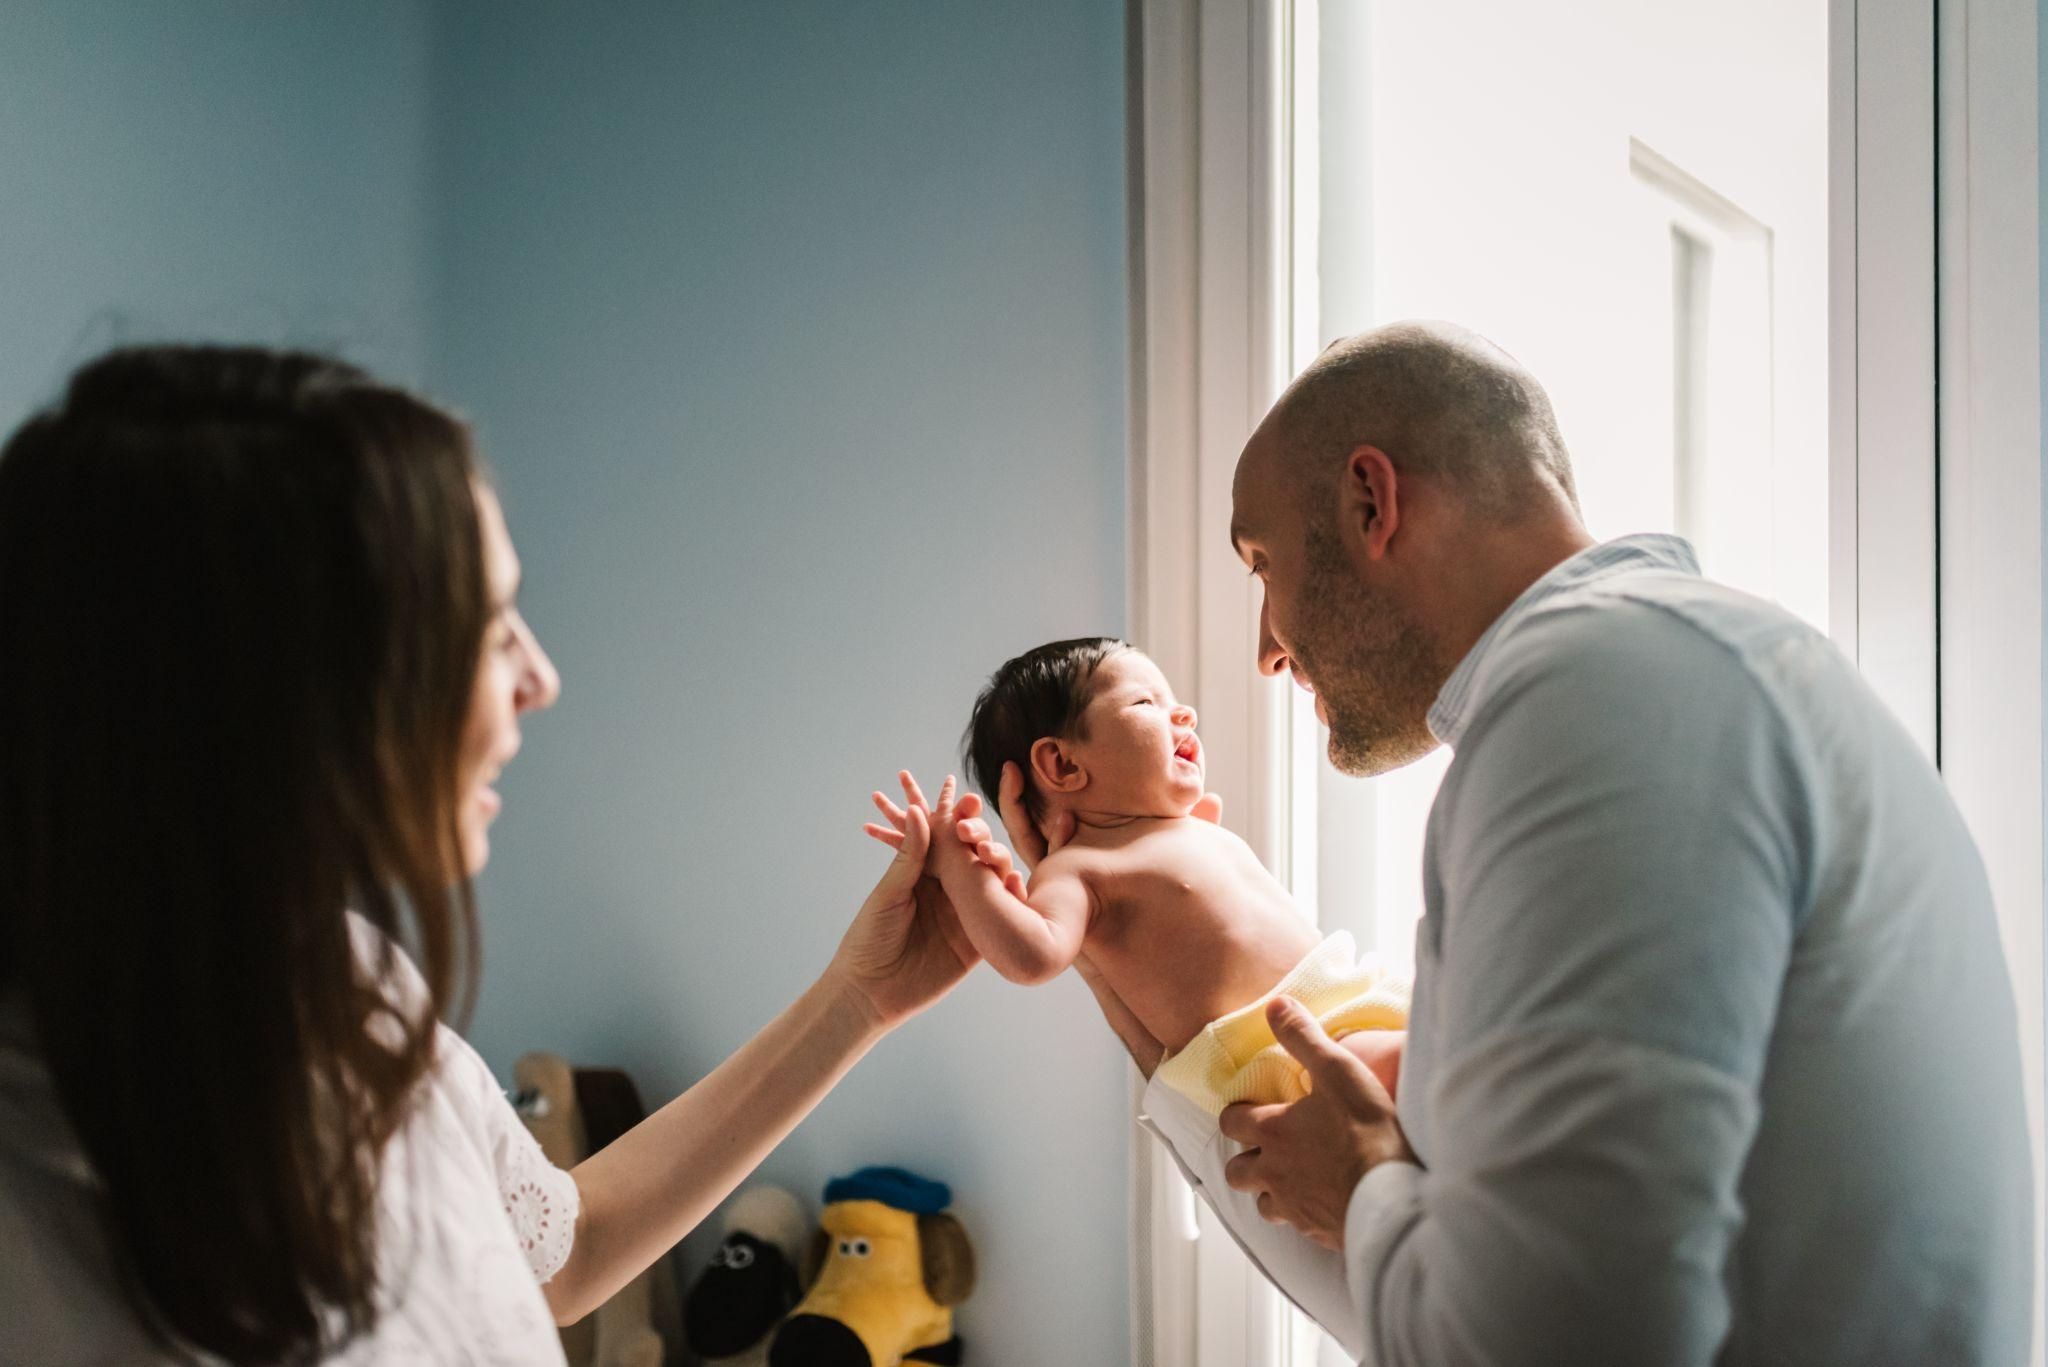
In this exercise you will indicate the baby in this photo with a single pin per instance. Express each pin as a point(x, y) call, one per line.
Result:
point(1172, 913)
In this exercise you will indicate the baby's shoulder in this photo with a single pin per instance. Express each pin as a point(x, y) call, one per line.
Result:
point(1174, 846)
point(1071, 861)
point(1192, 836)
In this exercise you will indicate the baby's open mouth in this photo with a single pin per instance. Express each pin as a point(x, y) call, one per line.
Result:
point(1189, 750)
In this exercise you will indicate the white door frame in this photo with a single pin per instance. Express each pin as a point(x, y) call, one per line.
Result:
point(1988, 246)
point(1928, 281)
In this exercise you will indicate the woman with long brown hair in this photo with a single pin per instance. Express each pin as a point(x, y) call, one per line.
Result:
point(261, 660)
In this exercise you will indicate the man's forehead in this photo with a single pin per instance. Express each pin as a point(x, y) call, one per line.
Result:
point(1248, 493)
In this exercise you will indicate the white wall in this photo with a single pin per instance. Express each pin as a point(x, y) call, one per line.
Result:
point(1499, 146)
point(796, 333)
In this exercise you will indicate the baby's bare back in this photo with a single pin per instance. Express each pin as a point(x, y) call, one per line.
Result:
point(1189, 925)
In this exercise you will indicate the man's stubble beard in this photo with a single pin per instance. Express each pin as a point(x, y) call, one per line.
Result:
point(1369, 662)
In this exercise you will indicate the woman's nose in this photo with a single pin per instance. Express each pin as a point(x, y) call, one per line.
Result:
point(539, 683)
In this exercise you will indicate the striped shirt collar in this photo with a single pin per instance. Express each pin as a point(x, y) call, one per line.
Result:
point(1648, 551)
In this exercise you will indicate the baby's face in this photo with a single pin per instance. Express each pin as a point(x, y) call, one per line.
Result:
point(1141, 753)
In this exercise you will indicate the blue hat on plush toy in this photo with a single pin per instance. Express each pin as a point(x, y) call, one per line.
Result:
point(896, 1187)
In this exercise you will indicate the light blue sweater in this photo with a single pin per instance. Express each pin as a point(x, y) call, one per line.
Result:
point(1714, 1056)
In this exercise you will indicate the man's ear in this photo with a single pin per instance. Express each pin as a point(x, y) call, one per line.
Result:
point(1369, 504)
point(1055, 768)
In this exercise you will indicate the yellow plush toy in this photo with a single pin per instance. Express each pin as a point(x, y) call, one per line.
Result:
point(893, 1267)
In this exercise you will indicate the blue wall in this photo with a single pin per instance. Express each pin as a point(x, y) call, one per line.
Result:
point(796, 333)
point(210, 169)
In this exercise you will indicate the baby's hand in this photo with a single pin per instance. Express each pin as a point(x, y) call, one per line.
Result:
point(976, 837)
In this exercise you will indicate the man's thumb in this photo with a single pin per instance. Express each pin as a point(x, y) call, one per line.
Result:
point(1303, 1037)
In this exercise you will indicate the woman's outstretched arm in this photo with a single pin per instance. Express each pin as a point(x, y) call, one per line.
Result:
point(646, 1190)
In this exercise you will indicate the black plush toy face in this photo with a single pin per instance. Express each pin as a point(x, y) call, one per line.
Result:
point(740, 1298)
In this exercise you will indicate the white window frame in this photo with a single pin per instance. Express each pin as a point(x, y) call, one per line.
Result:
point(1936, 512)
point(1209, 290)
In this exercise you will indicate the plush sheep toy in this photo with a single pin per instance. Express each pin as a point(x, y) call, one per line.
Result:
point(893, 1267)
point(736, 1302)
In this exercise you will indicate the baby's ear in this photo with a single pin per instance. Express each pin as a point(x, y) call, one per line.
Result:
point(1054, 767)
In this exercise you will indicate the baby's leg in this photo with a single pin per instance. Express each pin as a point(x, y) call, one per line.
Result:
point(1379, 1050)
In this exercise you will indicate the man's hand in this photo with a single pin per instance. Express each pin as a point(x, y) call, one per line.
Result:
point(1304, 1159)
point(1143, 1046)
point(1026, 837)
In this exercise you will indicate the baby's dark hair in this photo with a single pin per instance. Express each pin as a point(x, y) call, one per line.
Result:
point(1038, 694)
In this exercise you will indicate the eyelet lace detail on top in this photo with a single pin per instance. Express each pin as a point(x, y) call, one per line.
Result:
point(541, 1202)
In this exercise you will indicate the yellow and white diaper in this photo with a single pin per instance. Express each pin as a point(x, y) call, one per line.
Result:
point(1236, 1058)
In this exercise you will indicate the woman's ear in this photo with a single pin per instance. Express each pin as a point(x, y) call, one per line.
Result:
point(1054, 766)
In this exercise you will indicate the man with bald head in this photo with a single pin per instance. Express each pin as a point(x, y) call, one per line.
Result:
point(1714, 1056)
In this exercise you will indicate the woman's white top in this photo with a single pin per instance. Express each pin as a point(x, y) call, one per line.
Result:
point(472, 1220)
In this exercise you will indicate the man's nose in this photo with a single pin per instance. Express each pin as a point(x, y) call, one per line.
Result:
point(1272, 659)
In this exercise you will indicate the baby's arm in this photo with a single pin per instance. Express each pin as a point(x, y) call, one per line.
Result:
point(1030, 939)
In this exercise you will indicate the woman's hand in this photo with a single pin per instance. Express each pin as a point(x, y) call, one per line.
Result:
point(654, 1184)
point(905, 948)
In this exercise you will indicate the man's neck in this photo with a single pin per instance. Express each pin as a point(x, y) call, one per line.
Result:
point(1514, 559)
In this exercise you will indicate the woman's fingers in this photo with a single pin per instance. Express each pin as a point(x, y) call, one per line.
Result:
point(893, 895)
point(890, 810)
point(911, 792)
point(917, 839)
point(893, 839)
